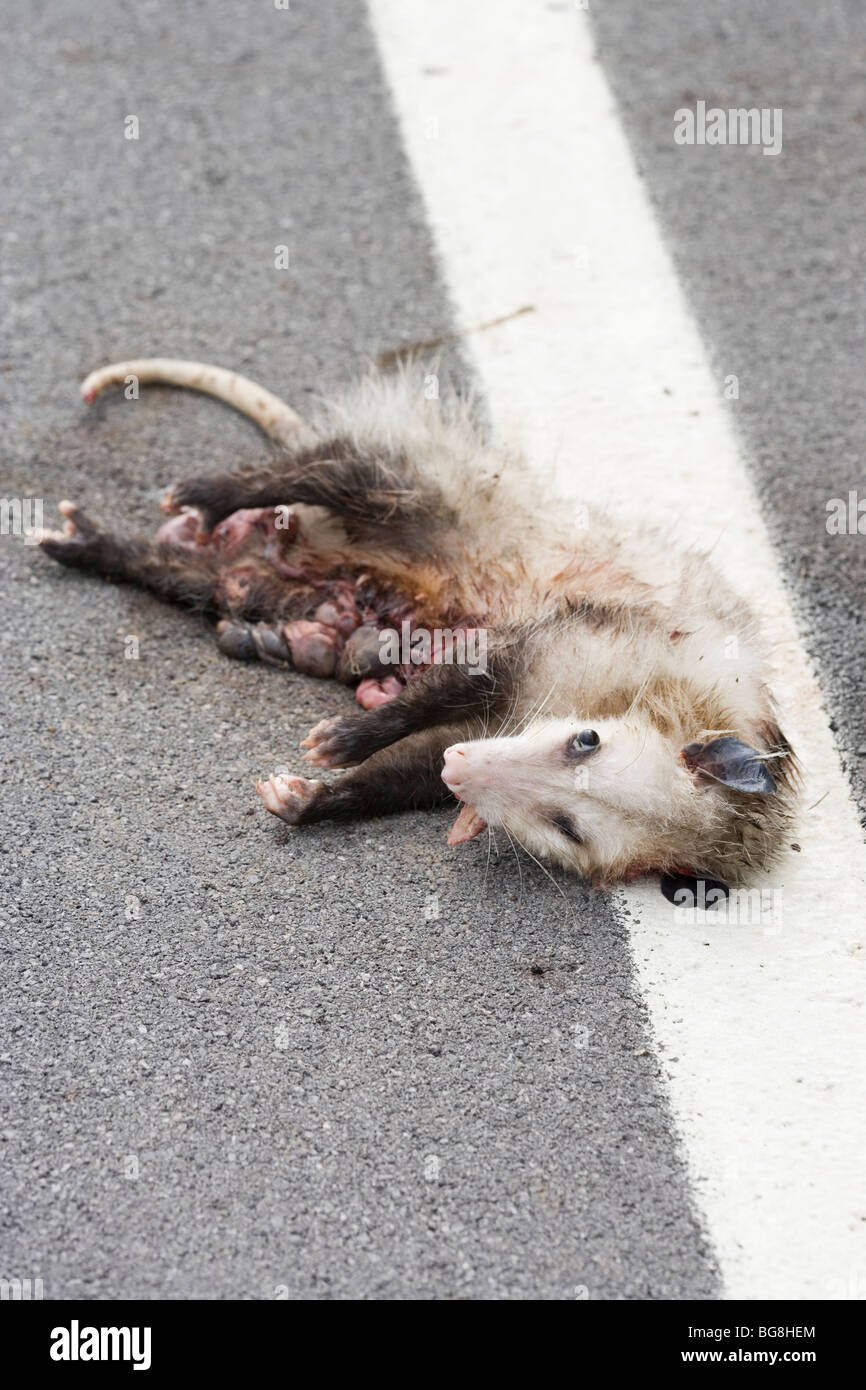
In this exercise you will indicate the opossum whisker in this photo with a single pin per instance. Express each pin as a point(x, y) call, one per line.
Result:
point(638, 696)
point(534, 714)
point(528, 715)
point(545, 871)
point(638, 755)
point(490, 842)
point(517, 858)
point(510, 712)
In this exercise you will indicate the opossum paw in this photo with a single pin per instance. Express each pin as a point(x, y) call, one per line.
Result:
point(370, 694)
point(361, 655)
point(75, 542)
point(213, 495)
point(235, 639)
point(313, 647)
point(251, 642)
point(288, 797)
point(180, 532)
point(332, 743)
point(237, 528)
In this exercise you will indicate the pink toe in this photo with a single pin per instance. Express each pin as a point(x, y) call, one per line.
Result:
point(372, 693)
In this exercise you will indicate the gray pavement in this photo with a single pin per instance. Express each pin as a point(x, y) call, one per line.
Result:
point(235, 1059)
point(238, 1061)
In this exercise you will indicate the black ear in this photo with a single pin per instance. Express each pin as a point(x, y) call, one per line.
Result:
point(730, 761)
point(689, 890)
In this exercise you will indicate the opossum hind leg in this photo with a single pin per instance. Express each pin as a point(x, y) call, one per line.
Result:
point(373, 495)
point(175, 575)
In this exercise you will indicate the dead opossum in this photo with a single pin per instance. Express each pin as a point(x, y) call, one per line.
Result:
point(620, 723)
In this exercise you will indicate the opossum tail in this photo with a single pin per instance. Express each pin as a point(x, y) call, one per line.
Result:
point(268, 411)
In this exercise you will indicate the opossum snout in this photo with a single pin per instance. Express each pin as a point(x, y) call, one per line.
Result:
point(455, 766)
point(451, 764)
point(471, 765)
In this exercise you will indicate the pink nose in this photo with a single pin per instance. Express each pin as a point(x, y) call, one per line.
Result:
point(453, 764)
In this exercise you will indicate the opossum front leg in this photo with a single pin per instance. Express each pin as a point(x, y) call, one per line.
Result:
point(406, 777)
point(441, 695)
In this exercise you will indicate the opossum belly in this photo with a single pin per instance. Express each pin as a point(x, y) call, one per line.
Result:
point(337, 620)
point(321, 626)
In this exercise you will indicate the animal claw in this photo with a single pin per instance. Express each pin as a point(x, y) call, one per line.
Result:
point(70, 544)
point(76, 520)
point(325, 746)
point(287, 797)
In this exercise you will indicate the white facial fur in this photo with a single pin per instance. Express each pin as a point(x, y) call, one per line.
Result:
point(628, 799)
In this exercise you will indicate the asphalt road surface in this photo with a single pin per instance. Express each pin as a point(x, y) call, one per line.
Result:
point(239, 1061)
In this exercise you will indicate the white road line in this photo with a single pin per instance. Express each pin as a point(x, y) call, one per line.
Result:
point(533, 198)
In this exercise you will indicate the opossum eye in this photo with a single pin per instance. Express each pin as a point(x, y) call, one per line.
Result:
point(584, 742)
point(567, 827)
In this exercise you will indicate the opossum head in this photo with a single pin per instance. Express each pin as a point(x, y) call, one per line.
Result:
point(615, 798)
